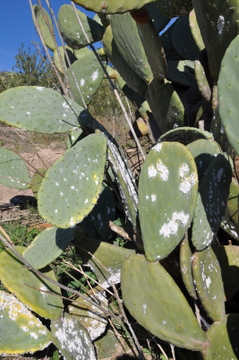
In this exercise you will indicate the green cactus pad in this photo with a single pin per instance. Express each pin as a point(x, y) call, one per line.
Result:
point(174, 8)
point(111, 6)
point(202, 81)
point(88, 315)
point(165, 104)
point(47, 246)
point(208, 283)
point(72, 339)
point(211, 201)
point(126, 36)
point(27, 286)
point(203, 151)
point(21, 331)
point(168, 187)
point(228, 90)
point(186, 267)
point(38, 109)
point(228, 257)
point(232, 204)
point(186, 135)
point(45, 25)
point(153, 49)
point(196, 33)
point(59, 57)
point(13, 171)
point(71, 30)
point(71, 187)
point(133, 80)
point(155, 301)
point(111, 346)
point(219, 25)
point(88, 74)
point(223, 339)
point(37, 180)
point(107, 260)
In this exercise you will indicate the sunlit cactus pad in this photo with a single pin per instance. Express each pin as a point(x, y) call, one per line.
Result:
point(44, 22)
point(72, 339)
point(112, 6)
point(228, 90)
point(13, 171)
point(38, 109)
point(71, 29)
point(27, 286)
point(21, 331)
point(47, 246)
point(87, 76)
point(155, 301)
point(208, 282)
point(71, 187)
point(168, 187)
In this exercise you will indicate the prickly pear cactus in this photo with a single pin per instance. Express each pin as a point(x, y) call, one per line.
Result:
point(13, 171)
point(168, 173)
point(29, 333)
point(44, 22)
point(33, 109)
point(71, 30)
point(228, 90)
point(47, 246)
point(162, 309)
point(71, 187)
point(72, 339)
point(27, 286)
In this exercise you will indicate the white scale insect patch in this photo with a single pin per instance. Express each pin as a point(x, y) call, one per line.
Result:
point(82, 82)
point(152, 172)
point(171, 227)
point(163, 170)
point(95, 75)
point(157, 147)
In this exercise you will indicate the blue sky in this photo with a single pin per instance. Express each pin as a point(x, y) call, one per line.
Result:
point(16, 27)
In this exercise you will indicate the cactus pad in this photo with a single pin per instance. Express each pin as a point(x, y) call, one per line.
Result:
point(168, 187)
point(71, 30)
point(155, 301)
point(208, 282)
point(13, 171)
point(45, 25)
point(47, 246)
point(16, 320)
point(71, 187)
point(211, 201)
point(223, 338)
point(72, 339)
point(88, 315)
point(111, 6)
point(27, 286)
point(88, 74)
point(228, 90)
point(38, 109)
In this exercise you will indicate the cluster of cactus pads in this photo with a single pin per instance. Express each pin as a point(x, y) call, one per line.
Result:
point(180, 273)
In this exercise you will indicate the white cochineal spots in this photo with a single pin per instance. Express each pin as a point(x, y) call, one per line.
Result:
point(65, 105)
point(220, 24)
point(163, 170)
point(187, 181)
point(158, 147)
point(171, 227)
point(40, 88)
point(82, 82)
point(95, 75)
point(160, 169)
point(74, 340)
point(152, 172)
